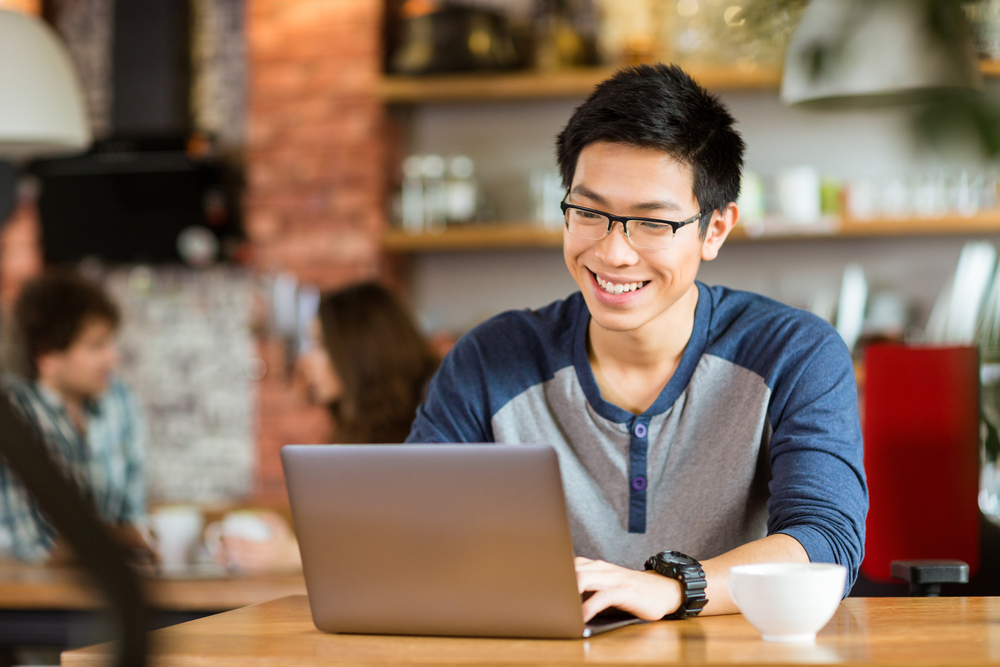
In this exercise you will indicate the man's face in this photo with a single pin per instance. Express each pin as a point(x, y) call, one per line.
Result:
point(627, 180)
point(83, 369)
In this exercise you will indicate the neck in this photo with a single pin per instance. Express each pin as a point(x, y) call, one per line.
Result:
point(654, 346)
point(632, 368)
point(71, 399)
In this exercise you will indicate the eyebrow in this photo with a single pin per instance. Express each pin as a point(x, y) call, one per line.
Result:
point(665, 204)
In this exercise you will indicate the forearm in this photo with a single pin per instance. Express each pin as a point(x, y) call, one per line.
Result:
point(777, 548)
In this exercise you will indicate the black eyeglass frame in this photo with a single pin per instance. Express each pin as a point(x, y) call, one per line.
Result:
point(624, 219)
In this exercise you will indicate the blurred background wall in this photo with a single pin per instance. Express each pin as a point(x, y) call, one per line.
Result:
point(287, 94)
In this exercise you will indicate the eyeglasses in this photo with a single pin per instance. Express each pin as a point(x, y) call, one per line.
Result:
point(647, 233)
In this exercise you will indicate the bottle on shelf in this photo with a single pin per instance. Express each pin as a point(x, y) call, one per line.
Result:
point(435, 193)
point(461, 190)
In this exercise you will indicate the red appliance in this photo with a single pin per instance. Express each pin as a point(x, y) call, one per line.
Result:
point(921, 431)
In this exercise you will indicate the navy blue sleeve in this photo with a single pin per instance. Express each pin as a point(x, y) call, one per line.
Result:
point(489, 366)
point(819, 494)
point(456, 409)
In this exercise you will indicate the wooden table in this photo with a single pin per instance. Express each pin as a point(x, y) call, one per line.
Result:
point(868, 631)
point(44, 605)
point(27, 587)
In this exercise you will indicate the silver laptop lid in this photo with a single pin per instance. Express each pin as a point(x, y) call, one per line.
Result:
point(469, 540)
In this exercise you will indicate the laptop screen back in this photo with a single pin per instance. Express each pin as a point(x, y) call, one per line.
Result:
point(466, 540)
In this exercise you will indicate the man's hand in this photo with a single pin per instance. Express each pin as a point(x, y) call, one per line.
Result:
point(648, 595)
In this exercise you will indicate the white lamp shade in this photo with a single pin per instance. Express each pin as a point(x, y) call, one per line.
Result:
point(41, 101)
point(873, 50)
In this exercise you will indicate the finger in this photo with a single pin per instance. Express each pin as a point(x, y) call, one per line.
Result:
point(600, 601)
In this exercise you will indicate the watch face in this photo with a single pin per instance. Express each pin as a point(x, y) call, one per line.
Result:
point(677, 557)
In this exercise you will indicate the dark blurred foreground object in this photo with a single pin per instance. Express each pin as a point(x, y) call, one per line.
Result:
point(46, 117)
point(921, 432)
point(67, 510)
point(454, 39)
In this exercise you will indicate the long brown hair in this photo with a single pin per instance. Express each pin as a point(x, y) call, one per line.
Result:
point(382, 360)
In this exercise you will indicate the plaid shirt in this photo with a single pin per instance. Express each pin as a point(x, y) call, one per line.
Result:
point(107, 463)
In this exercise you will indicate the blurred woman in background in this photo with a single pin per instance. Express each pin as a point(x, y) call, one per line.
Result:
point(370, 365)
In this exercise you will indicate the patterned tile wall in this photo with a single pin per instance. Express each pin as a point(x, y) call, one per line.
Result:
point(219, 90)
point(188, 351)
point(86, 28)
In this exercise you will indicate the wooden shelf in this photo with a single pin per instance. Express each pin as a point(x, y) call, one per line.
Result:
point(989, 67)
point(526, 237)
point(537, 85)
point(521, 85)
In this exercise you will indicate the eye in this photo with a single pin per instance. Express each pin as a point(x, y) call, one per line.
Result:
point(587, 215)
point(657, 228)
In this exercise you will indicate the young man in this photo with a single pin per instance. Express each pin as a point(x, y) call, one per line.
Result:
point(714, 424)
point(90, 422)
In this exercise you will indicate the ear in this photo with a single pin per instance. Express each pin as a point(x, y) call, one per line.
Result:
point(723, 221)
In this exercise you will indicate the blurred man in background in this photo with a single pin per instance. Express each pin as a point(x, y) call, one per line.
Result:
point(90, 421)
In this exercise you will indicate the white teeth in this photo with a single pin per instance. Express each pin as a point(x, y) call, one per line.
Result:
point(614, 288)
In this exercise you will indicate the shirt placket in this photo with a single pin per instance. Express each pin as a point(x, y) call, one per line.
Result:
point(638, 447)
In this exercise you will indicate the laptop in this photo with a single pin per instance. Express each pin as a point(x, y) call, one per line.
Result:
point(454, 540)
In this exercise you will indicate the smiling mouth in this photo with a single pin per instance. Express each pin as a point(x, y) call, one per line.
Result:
point(618, 288)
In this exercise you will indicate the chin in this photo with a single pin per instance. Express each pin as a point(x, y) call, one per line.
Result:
point(617, 322)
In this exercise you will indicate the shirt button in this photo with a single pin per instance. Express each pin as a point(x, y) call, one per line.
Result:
point(640, 430)
point(639, 483)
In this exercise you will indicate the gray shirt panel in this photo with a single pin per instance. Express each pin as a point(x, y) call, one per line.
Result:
point(707, 464)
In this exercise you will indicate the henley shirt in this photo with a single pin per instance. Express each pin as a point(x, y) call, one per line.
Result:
point(756, 433)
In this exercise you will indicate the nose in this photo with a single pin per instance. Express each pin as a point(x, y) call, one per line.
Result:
point(615, 249)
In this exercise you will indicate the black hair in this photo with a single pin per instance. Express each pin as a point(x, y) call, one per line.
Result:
point(53, 308)
point(660, 106)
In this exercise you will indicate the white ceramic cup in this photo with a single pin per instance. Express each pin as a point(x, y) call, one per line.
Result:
point(242, 524)
point(176, 529)
point(787, 602)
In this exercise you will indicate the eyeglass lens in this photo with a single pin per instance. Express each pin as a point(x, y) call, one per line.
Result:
point(650, 235)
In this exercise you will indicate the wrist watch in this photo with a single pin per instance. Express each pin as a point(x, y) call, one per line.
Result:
point(689, 573)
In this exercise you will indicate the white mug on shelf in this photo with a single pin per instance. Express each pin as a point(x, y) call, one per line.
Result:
point(799, 194)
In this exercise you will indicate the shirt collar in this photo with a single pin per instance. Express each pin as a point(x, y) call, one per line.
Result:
point(56, 402)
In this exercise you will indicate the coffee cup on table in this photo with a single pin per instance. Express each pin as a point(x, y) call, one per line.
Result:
point(241, 524)
point(176, 529)
point(787, 602)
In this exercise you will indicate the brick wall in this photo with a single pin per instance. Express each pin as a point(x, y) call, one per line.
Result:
point(314, 156)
